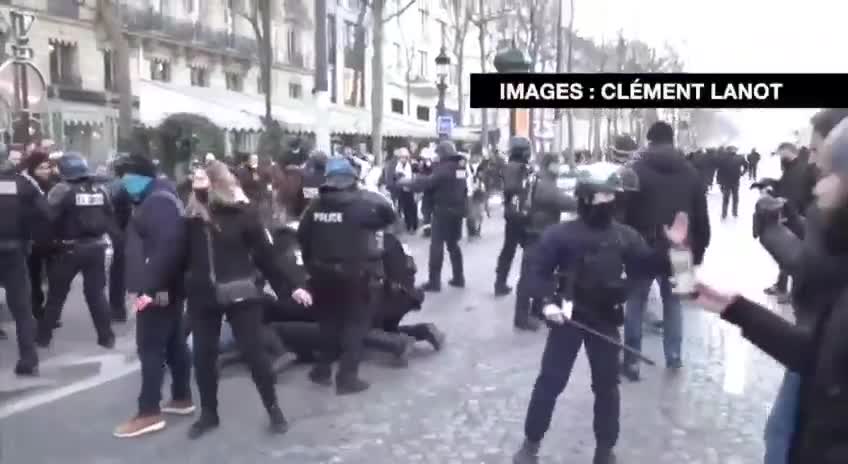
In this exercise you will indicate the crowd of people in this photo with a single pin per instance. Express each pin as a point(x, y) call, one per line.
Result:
point(196, 260)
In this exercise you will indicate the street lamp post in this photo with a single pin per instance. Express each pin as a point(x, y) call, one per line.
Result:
point(442, 72)
point(22, 85)
point(512, 60)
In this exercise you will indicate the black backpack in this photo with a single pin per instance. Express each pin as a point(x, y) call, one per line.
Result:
point(519, 201)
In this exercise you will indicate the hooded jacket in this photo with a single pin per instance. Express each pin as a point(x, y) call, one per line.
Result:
point(668, 184)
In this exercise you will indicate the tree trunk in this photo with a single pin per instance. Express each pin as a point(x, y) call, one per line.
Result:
point(534, 56)
point(359, 48)
point(267, 52)
point(322, 85)
point(569, 63)
point(377, 105)
point(481, 40)
point(559, 69)
point(108, 17)
point(460, 85)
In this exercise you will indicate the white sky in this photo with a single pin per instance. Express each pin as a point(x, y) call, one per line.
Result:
point(732, 36)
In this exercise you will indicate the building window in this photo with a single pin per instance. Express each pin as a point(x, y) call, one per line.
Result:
point(397, 105)
point(422, 63)
point(398, 56)
point(293, 55)
point(108, 70)
point(425, 23)
point(160, 70)
point(63, 64)
point(199, 76)
point(422, 113)
point(349, 35)
point(331, 39)
point(295, 91)
point(235, 81)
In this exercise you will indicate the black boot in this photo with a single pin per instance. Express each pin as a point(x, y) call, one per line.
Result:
point(527, 454)
point(350, 385)
point(279, 424)
point(207, 421)
point(604, 455)
point(458, 282)
point(431, 286)
point(434, 337)
point(501, 288)
point(321, 374)
point(27, 367)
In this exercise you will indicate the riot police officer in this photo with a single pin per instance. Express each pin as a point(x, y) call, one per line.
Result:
point(341, 244)
point(545, 207)
point(81, 216)
point(313, 175)
point(516, 176)
point(448, 186)
point(23, 209)
point(597, 254)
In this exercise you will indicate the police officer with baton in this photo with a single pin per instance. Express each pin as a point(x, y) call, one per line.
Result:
point(597, 255)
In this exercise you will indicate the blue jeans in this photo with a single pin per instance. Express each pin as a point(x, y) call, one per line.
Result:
point(672, 319)
point(780, 425)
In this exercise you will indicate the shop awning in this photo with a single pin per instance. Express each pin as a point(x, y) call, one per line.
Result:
point(158, 101)
point(80, 114)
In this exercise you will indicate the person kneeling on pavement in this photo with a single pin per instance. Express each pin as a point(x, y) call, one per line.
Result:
point(226, 242)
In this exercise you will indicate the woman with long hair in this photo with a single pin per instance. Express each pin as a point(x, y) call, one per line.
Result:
point(227, 244)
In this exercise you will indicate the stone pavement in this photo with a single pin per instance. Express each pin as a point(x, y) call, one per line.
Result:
point(465, 404)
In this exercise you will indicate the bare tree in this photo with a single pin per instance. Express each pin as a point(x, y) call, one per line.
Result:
point(533, 22)
point(461, 13)
point(258, 14)
point(408, 52)
point(481, 20)
point(108, 18)
point(569, 68)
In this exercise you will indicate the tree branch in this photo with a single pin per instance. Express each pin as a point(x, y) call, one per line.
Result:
point(398, 12)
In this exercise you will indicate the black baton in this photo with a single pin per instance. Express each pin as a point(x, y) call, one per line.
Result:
point(610, 340)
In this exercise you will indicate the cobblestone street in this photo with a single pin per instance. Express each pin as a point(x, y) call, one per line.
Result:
point(465, 404)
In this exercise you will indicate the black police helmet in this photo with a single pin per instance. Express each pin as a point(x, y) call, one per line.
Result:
point(72, 166)
point(623, 148)
point(591, 181)
point(446, 150)
point(520, 149)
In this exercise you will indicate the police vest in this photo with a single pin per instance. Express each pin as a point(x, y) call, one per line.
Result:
point(87, 212)
point(311, 183)
point(10, 204)
point(337, 237)
point(600, 279)
point(519, 203)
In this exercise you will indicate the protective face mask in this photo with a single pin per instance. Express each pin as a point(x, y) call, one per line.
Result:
point(135, 185)
point(600, 215)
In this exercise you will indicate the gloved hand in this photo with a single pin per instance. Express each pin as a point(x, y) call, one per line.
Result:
point(767, 212)
point(556, 314)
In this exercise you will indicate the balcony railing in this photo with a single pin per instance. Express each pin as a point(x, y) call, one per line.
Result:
point(148, 21)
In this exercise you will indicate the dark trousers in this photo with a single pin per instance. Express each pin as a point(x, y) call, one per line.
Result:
point(752, 171)
point(37, 261)
point(447, 231)
point(513, 236)
point(523, 302)
point(245, 318)
point(90, 261)
point(729, 193)
point(345, 314)
point(117, 288)
point(561, 350)
point(160, 340)
point(409, 209)
point(14, 277)
point(426, 208)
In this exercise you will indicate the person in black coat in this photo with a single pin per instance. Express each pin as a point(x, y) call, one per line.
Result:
point(731, 168)
point(753, 159)
point(814, 350)
point(668, 185)
point(36, 169)
point(226, 242)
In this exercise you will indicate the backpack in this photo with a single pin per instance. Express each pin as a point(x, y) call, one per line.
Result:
point(600, 278)
point(520, 201)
